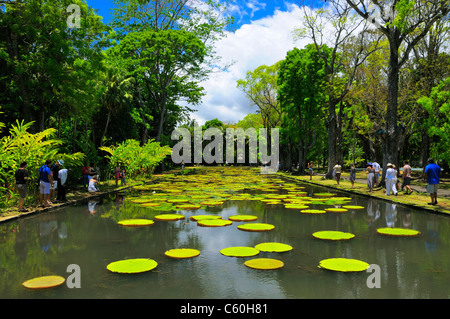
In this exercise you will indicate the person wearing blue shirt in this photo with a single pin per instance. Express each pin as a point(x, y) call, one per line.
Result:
point(432, 172)
point(45, 181)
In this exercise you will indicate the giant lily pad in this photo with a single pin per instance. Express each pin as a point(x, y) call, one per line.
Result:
point(333, 235)
point(188, 206)
point(336, 210)
point(241, 218)
point(214, 222)
point(136, 222)
point(44, 282)
point(353, 207)
point(182, 253)
point(399, 232)
point(264, 263)
point(256, 227)
point(150, 204)
point(169, 217)
point(344, 264)
point(239, 251)
point(204, 217)
point(296, 206)
point(132, 266)
point(312, 211)
point(273, 247)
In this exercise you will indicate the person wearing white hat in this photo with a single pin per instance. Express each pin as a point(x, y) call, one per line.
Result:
point(391, 180)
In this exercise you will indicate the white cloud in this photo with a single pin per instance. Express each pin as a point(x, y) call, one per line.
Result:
point(263, 42)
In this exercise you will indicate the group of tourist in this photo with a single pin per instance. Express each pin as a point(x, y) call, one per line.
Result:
point(431, 177)
point(52, 180)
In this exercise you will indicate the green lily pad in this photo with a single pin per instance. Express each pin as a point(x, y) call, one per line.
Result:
point(273, 247)
point(150, 204)
point(241, 218)
point(264, 263)
point(256, 227)
point(182, 253)
point(239, 251)
point(399, 232)
point(132, 266)
point(136, 222)
point(353, 207)
point(204, 217)
point(336, 210)
point(44, 282)
point(214, 222)
point(169, 217)
point(188, 206)
point(343, 265)
point(333, 235)
point(296, 206)
point(312, 211)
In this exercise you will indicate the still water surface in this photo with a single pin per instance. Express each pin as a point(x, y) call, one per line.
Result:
point(88, 235)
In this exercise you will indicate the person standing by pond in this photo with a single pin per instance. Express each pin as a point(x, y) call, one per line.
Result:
point(310, 168)
point(407, 178)
point(21, 176)
point(117, 173)
point(431, 176)
point(85, 173)
point(337, 172)
point(391, 177)
point(45, 181)
point(377, 169)
point(370, 176)
point(352, 174)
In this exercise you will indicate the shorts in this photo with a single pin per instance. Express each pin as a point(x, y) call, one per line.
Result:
point(432, 188)
point(44, 188)
point(22, 188)
point(406, 181)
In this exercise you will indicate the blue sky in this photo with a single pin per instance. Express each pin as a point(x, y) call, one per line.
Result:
point(262, 36)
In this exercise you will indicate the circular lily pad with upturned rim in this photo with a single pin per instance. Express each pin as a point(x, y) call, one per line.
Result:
point(336, 210)
point(242, 218)
point(204, 217)
point(239, 251)
point(264, 263)
point(256, 227)
point(353, 207)
point(398, 232)
point(188, 206)
point(344, 264)
point(136, 222)
point(132, 266)
point(312, 211)
point(182, 253)
point(44, 282)
point(150, 204)
point(169, 217)
point(273, 247)
point(214, 222)
point(333, 235)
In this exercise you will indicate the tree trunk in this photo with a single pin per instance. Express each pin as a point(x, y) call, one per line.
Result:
point(332, 134)
point(106, 128)
point(390, 141)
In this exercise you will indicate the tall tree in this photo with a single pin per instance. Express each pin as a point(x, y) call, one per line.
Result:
point(301, 81)
point(261, 88)
point(337, 26)
point(404, 23)
point(168, 65)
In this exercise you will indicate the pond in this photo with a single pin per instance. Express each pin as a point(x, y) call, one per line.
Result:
point(88, 235)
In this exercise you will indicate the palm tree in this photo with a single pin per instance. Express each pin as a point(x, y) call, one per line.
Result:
point(118, 87)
